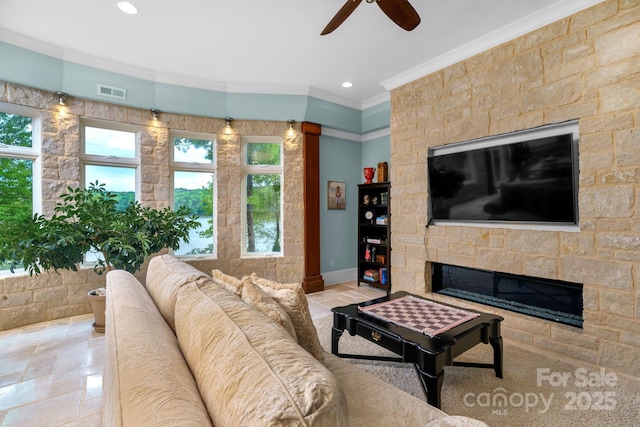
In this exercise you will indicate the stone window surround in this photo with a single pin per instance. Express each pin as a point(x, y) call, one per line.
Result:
point(26, 300)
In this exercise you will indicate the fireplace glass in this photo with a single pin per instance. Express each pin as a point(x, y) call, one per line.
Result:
point(549, 299)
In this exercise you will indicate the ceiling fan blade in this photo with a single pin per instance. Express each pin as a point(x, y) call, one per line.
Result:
point(401, 12)
point(342, 14)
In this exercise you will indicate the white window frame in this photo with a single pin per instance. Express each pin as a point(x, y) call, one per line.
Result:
point(212, 168)
point(33, 153)
point(259, 170)
point(102, 160)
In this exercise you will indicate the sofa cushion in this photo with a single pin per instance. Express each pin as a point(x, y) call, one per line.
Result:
point(146, 380)
point(258, 299)
point(165, 275)
point(292, 298)
point(230, 283)
point(373, 402)
point(249, 370)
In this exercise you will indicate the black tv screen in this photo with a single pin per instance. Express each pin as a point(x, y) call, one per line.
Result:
point(527, 177)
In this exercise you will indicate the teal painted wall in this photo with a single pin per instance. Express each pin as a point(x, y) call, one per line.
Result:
point(22, 66)
point(375, 151)
point(341, 159)
point(376, 117)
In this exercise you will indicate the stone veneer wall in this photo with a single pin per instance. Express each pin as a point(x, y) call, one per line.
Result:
point(25, 300)
point(583, 67)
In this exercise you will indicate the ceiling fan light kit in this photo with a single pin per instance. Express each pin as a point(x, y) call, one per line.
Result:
point(399, 11)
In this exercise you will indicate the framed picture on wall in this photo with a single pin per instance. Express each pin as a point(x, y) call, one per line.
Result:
point(336, 195)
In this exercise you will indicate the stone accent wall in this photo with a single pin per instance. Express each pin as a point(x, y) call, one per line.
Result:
point(583, 67)
point(25, 300)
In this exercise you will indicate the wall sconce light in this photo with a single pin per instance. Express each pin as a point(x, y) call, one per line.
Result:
point(155, 113)
point(228, 130)
point(61, 97)
point(291, 132)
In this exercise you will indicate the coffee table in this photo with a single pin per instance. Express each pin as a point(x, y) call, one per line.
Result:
point(429, 355)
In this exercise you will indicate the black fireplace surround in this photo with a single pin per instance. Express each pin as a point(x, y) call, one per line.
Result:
point(548, 299)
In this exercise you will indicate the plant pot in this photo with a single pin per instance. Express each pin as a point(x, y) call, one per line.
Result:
point(97, 298)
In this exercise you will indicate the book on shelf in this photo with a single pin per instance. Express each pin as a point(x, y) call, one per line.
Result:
point(383, 276)
point(371, 275)
point(382, 220)
point(374, 240)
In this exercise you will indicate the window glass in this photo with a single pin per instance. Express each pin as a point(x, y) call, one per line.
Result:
point(193, 164)
point(263, 215)
point(118, 180)
point(16, 188)
point(193, 150)
point(262, 153)
point(16, 130)
point(18, 156)
point(194, 190)
point(109, 142)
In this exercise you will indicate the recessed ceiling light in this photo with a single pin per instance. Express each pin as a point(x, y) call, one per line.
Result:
point(127, 7)
point(347, 84)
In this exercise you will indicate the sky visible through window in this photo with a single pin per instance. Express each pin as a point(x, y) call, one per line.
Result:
point(109, 142)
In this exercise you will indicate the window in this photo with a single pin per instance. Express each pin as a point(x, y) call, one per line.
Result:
point(110, 156)
point(193, 164)
point(19, 163)
point(262, 216)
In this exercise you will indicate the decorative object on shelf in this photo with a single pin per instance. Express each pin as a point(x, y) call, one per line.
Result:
point(383, 172)
point(367, 253)
point(382, 220)
point(336, 195)
point(368, 215)
point(369, 173)
point(366, 199)
point(382, 259)
point(374, 200)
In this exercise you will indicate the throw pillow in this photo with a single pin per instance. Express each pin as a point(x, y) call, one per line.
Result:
point(230, 283)
point(292, 299)
point(258, 299)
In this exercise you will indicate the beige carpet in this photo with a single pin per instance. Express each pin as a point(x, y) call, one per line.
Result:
point(584, 400)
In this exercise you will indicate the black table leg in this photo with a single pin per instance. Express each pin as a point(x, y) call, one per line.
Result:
point(431, 386)
point(335, 337)
point(496, 343)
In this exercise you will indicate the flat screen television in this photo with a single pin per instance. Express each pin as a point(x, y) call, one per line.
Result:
point(527, 178)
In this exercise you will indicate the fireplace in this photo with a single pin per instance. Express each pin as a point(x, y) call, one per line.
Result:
point(548, 299)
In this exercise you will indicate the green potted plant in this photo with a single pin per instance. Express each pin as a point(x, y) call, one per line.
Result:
point(89, 221)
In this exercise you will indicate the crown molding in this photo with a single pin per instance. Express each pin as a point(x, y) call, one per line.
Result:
point(513, 30)
point(89, 60)
point(326, 131)
point(376, 100)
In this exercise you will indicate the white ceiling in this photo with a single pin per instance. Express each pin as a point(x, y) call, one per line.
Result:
point(271, 46)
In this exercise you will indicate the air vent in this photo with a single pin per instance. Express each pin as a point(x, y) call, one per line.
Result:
point(112, 92)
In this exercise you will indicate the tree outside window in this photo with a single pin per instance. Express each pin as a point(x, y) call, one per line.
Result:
point(263, 195)
point(17, 157)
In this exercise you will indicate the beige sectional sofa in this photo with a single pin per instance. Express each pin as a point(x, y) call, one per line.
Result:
point(191, 349)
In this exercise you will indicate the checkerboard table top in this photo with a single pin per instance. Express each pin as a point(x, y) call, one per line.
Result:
point(418, 314)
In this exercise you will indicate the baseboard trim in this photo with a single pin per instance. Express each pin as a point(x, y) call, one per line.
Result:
point(339, 276)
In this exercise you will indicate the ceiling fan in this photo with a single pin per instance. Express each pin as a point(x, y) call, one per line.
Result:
point(399, 11)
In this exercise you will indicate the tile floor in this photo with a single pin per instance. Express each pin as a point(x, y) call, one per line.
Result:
point(51, 372)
